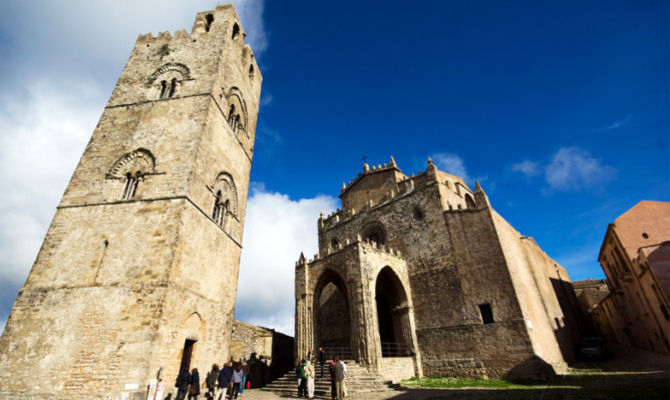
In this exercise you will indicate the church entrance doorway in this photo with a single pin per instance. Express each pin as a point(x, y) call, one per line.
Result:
point(332, 324)
point(186, 355)
point(392, 315)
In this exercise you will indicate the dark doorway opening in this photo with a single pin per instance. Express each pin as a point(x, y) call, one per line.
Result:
point(392, 315)
point(186, 356)
point(385, 316)
point(332, 324)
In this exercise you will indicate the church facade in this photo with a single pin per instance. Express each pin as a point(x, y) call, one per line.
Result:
point(137, 275)
point(419, 275)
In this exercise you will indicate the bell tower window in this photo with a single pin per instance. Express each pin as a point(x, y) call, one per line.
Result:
point(131, 185)
point(220, 209)
point(163, 89)
point(173, 87)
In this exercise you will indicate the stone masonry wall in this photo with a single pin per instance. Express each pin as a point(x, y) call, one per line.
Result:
point(119, 285)
point(397, 369)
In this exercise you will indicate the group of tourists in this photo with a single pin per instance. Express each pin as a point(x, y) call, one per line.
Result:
point(305, 373)
point(221, 383)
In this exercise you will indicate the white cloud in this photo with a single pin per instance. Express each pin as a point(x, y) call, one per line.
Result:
point(42, 138)
point(451, 163)
point(627, 121)
point(266, 99)
point(527, 167)
point(60, 66)
point(276, 230)
point(572, 168)
point(94, 38)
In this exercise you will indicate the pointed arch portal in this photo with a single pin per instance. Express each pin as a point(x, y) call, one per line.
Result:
point(331, 312)
point(392, 315)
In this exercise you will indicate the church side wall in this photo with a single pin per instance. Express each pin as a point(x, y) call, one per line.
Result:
point(498, 349)
point(534, 305)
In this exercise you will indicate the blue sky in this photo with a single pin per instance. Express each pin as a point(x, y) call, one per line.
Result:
point(558, 108)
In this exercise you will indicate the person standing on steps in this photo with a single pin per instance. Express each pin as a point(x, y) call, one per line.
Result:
point(309, 371)
point(322, 359)
point(331, 371)
point(299, 373)
point(340, 376)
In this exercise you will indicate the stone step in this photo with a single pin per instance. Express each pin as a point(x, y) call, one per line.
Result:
point(359, 381)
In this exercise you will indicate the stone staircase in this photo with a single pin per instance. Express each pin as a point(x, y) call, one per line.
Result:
point(359, 381)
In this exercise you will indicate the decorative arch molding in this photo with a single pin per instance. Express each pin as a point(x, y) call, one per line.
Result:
point(194, 326)
point(139, 160)
point(225, 185)
point(178, 67)
point(396, 283)
point(236, 98)
point(329, 275)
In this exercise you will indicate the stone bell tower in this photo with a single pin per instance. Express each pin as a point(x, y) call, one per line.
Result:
point(138, 270)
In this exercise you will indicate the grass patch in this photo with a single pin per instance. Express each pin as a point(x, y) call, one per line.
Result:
point(447, 382)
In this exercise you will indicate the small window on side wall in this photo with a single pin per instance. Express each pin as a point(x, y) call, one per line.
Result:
point(486, 312)
point(236, 31)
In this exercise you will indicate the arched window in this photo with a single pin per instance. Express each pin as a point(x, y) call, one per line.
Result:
point(208, 22)
point(225, 199)
point(131, 185)
point(236, 123)
point(163, 89)
point(220, 209)
point(132, 168)
point(374, 232)
point(231, 115)
point(252, 72)
point(173, 87)
point(166, 80)
point(236, 31)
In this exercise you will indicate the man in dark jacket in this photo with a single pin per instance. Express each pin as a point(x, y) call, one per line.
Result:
point(183, 379)
point(226, 381)
point(322, 359)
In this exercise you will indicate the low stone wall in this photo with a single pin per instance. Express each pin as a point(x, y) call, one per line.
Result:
point(397, 368)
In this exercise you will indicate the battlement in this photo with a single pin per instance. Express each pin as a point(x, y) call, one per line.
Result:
point(340, 248)
point(213, 53)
